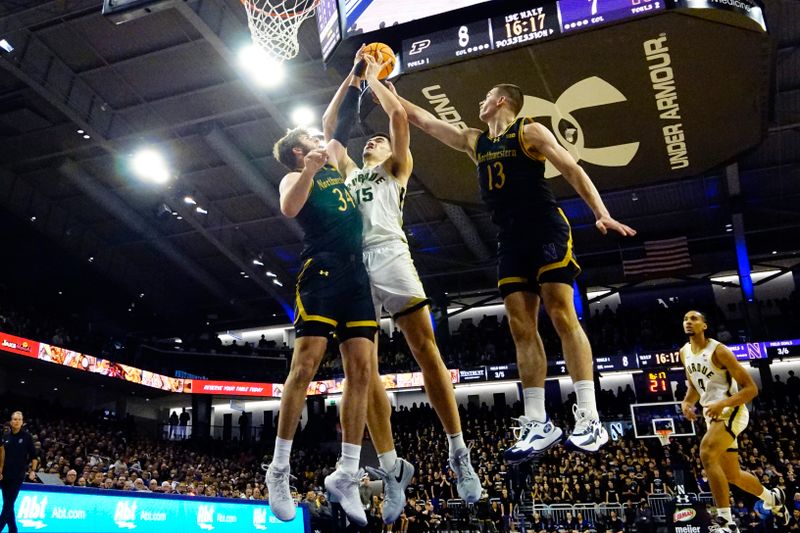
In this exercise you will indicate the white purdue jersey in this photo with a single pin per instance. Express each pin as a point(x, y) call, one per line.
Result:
point(380, 199)
point(713, 383)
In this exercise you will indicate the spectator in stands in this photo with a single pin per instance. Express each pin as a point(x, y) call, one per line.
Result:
point(644, 518)
point(173, 424)
point(183, 423)
point(71, 478)
point(614, 524)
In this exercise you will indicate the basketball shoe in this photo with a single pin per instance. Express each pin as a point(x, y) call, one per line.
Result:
point(344, 487)
point(280, 496)
point(467, 483)
point(394, 488)
point(781, 512)
point(589, 434)
point(533, 438)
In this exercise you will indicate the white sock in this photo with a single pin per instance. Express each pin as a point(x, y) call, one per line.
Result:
point(534, 403)
point(351, 455)
point(283, 448)
point(584, 391)
point(725, 512)
point(768, 497)
point(388, 460)
point(456, 442)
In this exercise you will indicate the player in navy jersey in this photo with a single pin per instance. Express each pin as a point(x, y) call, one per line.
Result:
point(536, 262)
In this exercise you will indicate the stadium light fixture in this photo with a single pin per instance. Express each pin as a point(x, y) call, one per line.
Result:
point(264, 70)
point(303, 116)
point(149, 165)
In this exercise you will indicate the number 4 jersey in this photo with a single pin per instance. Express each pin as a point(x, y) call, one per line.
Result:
point(713, 383)
point(380, 200)
point(511, 179)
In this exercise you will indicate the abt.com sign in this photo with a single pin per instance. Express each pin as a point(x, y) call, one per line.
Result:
point(67, 510)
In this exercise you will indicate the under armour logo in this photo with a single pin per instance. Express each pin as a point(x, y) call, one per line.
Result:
point(589, 92)
point(323, 273)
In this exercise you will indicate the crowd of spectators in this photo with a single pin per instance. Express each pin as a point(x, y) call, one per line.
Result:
point(114, 455)
point(625, 329)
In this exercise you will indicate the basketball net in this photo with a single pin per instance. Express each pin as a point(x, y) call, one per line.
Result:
point(274, 24)
point(663, 436)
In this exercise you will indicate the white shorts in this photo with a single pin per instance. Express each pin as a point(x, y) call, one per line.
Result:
point(735, 420)
point(393, 279)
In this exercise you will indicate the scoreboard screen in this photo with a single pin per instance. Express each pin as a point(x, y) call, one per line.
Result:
point(520, 27)
point(329, 25)
point(579, 14)
point(363, 16)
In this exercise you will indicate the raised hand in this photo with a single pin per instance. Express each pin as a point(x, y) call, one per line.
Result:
point(316, 159)
point(604, 224)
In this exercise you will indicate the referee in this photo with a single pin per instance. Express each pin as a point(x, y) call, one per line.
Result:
point(17, 453)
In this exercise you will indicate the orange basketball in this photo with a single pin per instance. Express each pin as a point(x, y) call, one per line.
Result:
point(383, 54)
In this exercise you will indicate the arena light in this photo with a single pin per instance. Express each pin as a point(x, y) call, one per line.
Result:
point(5, 45)
point(597, 293)
point(260, 67)
point(150, 165)
point(271, 274)
point(258, 262)
point(734, 278)
point(303, 116)
point(189, 200)
point(278, 283)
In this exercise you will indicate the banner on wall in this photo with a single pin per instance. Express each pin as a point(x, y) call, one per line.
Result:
point(69, 509)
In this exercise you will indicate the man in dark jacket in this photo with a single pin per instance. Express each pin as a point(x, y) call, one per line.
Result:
point(18, 454)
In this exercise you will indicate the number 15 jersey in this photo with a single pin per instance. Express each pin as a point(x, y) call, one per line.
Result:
point(511, 179)
point(380, 200)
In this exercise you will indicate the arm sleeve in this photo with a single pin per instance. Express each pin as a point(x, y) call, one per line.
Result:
point(347, 115)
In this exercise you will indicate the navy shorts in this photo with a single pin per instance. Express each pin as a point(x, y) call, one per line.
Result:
point(333, 294)
point(542, 253)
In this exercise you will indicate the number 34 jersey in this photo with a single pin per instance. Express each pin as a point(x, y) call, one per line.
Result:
point(380, 198)
point(511, 179)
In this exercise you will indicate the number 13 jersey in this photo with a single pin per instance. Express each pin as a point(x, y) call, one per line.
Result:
point(511, 179)
point(380, 200)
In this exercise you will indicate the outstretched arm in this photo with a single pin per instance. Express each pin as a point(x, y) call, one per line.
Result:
point(398, 121)
point(353, 79)
point(340, 115)
point(456, 138)
point(542, 140)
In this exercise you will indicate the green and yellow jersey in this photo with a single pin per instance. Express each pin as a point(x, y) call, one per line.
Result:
point(330, 218)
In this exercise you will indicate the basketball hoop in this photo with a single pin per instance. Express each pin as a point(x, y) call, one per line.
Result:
point(663, 436)
point(274, 24)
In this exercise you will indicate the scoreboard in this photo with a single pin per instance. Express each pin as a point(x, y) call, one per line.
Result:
point(517, 28)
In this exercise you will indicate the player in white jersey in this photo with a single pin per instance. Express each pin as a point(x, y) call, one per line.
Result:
point(723, 388)
point(379, 189)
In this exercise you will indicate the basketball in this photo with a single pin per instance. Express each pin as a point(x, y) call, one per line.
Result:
point(383, 54)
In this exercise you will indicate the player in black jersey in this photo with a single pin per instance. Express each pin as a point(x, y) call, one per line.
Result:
point(332, 294)
point(536, 261)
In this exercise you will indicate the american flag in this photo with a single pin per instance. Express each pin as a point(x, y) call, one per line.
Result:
point(660, 256)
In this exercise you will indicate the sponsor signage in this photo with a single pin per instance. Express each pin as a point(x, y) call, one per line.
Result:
point(68, 510)
point(234, 388)
point(18, 345)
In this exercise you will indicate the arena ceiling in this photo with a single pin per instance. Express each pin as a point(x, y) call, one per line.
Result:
point(171, 80)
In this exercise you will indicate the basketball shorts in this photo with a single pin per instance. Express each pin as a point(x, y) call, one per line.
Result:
point(394, 281)
point(735, 420)
point(332, 294)
point(539, 253)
